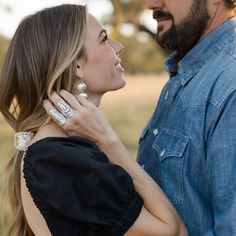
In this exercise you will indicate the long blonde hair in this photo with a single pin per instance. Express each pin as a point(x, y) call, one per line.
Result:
point(41, 57)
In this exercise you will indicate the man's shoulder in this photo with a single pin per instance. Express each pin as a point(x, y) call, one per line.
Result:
point(230, 48)
point(224, 81)
point(215, 81)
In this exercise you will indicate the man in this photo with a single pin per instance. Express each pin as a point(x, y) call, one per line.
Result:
point(193, 130)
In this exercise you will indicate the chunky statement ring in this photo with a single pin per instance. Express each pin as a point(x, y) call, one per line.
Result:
point(65, 109)
point(57, 116)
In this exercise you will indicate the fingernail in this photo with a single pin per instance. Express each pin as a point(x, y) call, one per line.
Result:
point(45, 101)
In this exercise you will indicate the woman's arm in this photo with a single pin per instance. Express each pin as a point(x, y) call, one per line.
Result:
point(158, 216)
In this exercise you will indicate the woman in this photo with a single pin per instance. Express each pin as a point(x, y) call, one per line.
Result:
point(61, 184)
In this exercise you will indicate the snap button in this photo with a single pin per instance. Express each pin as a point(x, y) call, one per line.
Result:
point(166, 95)
point(155, 132)
point(162, 153)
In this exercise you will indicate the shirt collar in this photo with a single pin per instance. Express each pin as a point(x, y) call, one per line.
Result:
point(199, 55)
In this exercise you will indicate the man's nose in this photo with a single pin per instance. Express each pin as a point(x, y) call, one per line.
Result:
point(154, 4)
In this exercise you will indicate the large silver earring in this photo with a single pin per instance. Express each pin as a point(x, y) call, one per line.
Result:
point(81, 88)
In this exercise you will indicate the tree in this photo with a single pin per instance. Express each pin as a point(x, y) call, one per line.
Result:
point(129, 11)
point(126, 25)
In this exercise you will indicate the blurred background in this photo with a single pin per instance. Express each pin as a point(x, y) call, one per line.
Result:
point(129, 109)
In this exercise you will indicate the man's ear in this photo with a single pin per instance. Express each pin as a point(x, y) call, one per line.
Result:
point(213, 6)
point(211, 3)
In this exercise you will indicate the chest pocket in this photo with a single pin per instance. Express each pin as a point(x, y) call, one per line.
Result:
point(170, 147)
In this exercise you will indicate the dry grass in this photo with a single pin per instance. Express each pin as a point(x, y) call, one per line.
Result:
point(128, 110)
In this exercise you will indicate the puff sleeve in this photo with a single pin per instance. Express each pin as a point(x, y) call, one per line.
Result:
point(74, 178)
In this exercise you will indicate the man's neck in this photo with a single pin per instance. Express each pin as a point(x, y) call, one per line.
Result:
point(217, 19)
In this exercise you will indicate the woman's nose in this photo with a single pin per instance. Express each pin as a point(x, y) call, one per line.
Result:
point(118, 47)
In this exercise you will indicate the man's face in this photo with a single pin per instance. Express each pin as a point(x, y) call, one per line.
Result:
point(181, 23)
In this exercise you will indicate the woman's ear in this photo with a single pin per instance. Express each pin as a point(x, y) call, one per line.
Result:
point(79, 71)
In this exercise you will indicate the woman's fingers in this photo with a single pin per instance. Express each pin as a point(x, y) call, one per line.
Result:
point(64, 107)
point(78, 116)
point(66, 110)
point(58, 117)
point(68, 97)
point(84, 102)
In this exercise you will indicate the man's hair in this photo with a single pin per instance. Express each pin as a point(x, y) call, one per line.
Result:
point(231, 3)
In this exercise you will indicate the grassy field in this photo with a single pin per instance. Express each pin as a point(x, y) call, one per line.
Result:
point(128, 110)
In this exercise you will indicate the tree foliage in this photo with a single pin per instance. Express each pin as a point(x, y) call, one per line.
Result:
point(142, 54)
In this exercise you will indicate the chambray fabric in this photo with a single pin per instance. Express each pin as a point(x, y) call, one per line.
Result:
point(189, 145)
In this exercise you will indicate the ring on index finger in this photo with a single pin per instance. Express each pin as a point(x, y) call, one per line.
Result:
point(57, 116)
point(65, 109)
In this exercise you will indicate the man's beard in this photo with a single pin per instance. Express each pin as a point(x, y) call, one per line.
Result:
point(183, 36)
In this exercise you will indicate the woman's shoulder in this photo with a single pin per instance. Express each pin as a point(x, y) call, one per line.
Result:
point(76, 141)
point(73, 149)
point(58, 144)
point(53, 158)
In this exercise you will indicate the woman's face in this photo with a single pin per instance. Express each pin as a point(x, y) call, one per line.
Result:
point(101, 71)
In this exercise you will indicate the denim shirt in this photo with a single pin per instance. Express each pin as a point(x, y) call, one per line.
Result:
point(189, 145)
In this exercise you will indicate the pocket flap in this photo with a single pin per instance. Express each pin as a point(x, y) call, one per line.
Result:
point(170, 143)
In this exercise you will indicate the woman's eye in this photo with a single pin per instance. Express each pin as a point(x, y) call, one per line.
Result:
point(105, 39)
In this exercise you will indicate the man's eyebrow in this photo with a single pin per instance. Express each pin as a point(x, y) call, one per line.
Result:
point(102, 31)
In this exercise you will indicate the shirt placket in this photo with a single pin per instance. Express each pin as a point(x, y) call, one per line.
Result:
point(167, 98)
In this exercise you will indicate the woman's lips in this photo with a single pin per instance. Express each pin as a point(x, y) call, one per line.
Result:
point(119, 67)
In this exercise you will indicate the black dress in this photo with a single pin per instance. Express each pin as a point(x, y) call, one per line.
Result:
point(76, 189)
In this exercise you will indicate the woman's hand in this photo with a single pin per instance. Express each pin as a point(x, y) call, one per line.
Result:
point(80, 117)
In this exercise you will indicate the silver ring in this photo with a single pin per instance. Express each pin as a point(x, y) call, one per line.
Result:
point(65, 109)
point(57, 116)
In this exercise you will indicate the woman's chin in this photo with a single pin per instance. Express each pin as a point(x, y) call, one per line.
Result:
point(121, 84)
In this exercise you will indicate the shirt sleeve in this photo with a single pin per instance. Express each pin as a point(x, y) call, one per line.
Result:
point(221, 166)
point(80, 183)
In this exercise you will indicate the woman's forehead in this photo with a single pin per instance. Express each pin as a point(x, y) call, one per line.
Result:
point(94, 22)
point(94, 28)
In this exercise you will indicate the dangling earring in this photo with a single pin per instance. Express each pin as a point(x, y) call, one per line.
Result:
point(82, 87)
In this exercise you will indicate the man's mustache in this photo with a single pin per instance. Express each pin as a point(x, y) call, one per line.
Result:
point(161, 15)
